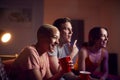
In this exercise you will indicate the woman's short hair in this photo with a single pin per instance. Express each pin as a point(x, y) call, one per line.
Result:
point(46, 30)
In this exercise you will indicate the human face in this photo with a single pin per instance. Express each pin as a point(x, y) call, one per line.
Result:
point(54, 40)
point(66, 32)
point(102, 42)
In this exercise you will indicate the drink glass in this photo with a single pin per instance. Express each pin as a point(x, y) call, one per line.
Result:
point(64, 62)
point(84, 75)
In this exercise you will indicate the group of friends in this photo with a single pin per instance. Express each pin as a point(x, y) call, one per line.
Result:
point(40, 61)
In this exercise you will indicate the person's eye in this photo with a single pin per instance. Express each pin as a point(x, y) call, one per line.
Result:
point(55, 37)
point(65, 28)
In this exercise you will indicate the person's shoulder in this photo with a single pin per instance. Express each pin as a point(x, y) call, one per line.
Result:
point(30, 47)
point(28, 50)
point(27, 47)
point(83, 51)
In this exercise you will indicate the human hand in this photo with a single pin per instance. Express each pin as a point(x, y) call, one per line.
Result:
point(66, 64)
point(70, 63)
point(74, 49)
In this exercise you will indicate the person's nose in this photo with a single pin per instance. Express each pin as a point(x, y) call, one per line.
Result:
point(70, 32)
point(57, 41)
point(106, 38)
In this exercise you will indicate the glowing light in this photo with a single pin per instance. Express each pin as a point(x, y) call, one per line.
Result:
point(6, 37)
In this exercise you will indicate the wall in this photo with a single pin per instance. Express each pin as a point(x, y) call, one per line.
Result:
point(93, 12)
point(23, 31)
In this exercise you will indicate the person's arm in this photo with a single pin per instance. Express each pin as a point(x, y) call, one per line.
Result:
point(60, 74)
point(56, 76)
point(73, 49)
point(54, 64)
point(81, 59)
point(105, 66)
point(34, 74)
